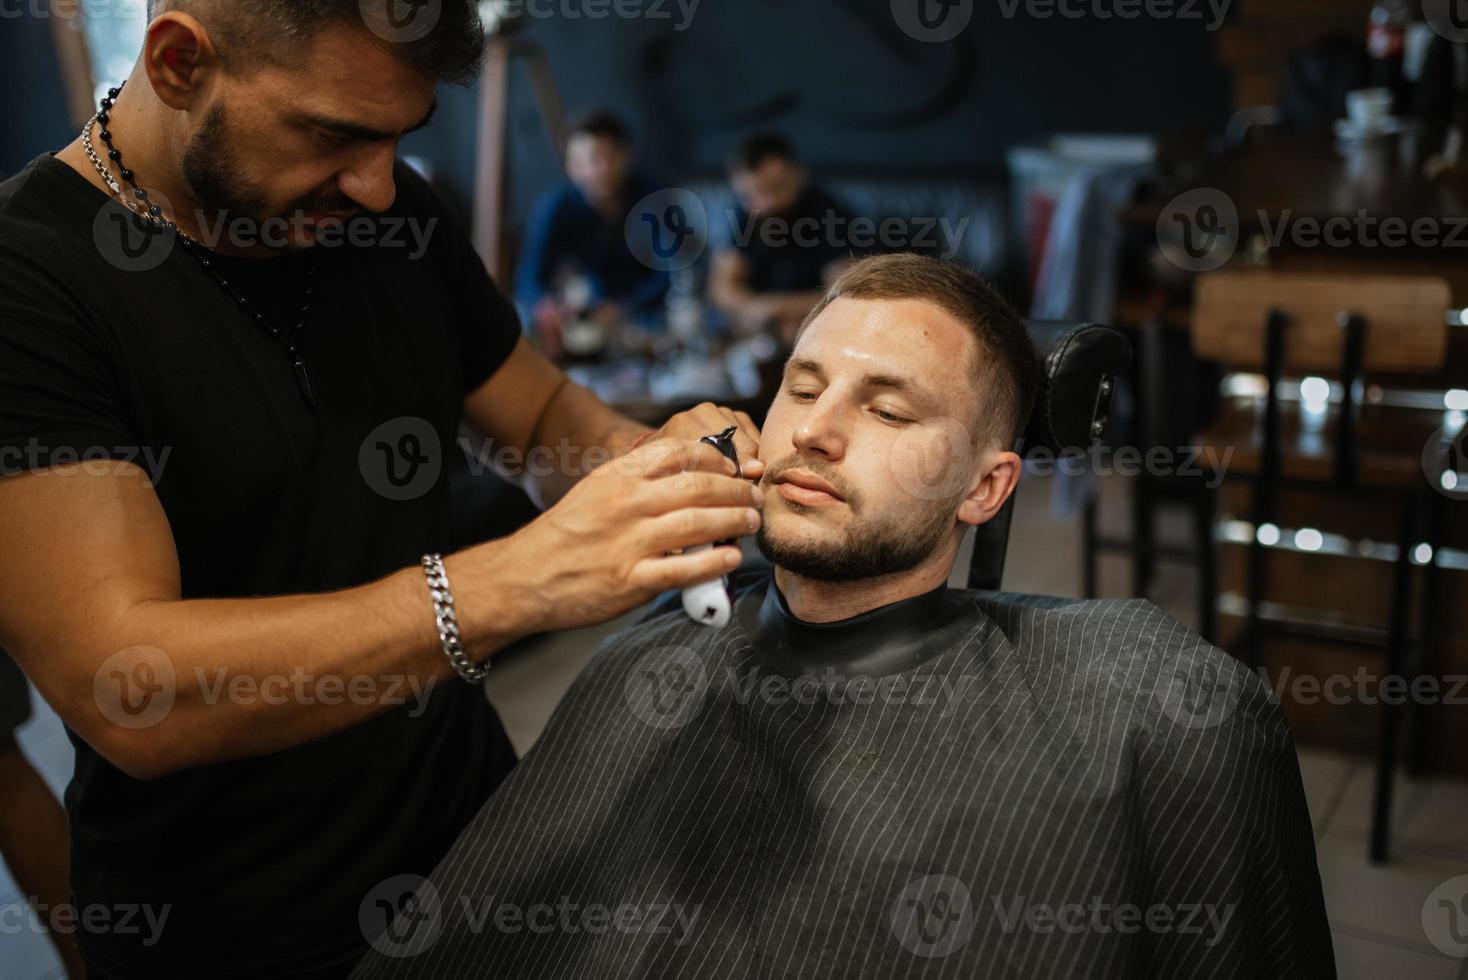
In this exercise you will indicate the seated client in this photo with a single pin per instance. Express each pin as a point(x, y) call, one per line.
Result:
point(866, 773)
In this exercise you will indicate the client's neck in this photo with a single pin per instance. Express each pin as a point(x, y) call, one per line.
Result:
point(816, 601)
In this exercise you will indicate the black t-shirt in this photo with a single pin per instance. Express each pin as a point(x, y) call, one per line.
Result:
point(123, 352)
point(790, 252)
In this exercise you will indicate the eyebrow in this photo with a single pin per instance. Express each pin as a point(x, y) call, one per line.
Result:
point(894, 382)
point(367, 134)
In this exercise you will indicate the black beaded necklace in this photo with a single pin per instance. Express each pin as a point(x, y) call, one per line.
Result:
point(154, 214)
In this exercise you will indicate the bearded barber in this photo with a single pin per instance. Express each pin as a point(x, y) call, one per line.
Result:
point(232, 611)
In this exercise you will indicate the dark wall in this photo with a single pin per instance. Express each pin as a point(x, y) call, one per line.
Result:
point(858, 95)
point(33, 115)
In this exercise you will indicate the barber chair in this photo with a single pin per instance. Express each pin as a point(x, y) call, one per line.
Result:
point(1080, 363)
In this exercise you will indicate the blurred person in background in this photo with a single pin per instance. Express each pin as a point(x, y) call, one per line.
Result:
point(776, 253)
point(33, 837)
point(577, 261)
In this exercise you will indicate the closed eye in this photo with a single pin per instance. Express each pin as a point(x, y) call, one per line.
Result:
point(889, 418)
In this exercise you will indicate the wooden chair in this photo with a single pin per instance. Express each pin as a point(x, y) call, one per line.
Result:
point(1391, 328)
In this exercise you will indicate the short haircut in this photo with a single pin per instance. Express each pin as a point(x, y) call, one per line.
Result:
point(754, 150)
point(602, 125)
point(1006, 366)
point(249, 32)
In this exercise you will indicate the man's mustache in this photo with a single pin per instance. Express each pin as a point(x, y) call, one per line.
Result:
point(817, 467)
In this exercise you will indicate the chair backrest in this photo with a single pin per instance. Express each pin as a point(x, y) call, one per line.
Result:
point(1080, 363)
point(1405, 330)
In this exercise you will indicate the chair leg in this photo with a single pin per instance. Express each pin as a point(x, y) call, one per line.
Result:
point(1088, 547)
point(1143, 508)
point(1386, 761)
point(1203, 519)
point(1420, 717)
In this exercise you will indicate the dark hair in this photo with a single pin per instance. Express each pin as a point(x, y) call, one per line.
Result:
point(1006, 366)
point(247, 32)
point(602, 125)
point(756, 149)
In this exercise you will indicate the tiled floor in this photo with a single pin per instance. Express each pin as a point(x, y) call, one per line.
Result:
point(1376, 912)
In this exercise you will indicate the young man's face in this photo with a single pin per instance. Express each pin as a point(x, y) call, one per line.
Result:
point(878, 408)
point(597, 165)
point(770, 189)
point(311, 143)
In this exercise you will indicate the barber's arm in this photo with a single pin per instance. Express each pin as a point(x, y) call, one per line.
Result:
point(90, 589)
point(550, 431)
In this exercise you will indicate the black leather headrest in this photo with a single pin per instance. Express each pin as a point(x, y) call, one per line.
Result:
point(1080, 363)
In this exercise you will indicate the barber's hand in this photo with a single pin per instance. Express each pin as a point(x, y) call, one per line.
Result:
point(604, 548)
point(709, 419)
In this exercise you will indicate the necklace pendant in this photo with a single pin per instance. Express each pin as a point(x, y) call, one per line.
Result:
point(303, 380)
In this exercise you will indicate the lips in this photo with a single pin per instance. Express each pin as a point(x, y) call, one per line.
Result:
point(806, 488)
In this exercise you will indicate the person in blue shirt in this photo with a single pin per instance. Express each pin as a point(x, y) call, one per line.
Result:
point(576, 260)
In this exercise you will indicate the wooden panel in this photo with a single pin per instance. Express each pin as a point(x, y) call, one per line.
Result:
point(1404, 314)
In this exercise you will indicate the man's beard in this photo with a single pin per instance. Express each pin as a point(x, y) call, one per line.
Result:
point(218, 183)
point(214, 174)
point(870, 546)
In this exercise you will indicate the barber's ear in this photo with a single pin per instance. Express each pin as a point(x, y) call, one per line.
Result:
point(993, 488)
point(178, 55)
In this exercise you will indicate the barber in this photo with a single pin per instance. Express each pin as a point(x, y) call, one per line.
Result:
point(222, 506)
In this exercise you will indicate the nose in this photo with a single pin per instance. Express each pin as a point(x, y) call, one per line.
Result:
point(368, 181)
point(823, 429)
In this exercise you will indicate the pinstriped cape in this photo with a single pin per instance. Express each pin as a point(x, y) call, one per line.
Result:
point(1064, 789)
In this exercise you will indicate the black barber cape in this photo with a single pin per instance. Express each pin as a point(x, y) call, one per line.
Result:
point(1034, 788)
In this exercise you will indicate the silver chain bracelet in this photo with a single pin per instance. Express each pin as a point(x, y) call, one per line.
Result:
point(448, 621)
